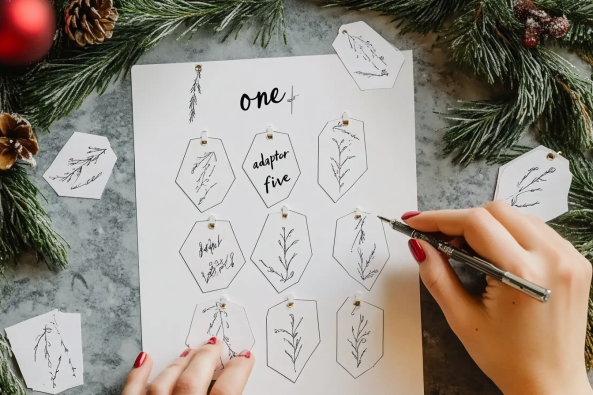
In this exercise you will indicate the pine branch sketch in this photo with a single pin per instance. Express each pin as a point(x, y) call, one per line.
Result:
point(338, 165)
point(195, 87)
point(54, 322)
point(217, 266)
point(284, 260)
point(205, 165)
point(358, 339)
point(360, 234)
point(92, 159)
point(54, 375)
point(218, 326)
point(340, 128)
point(367, 51)
point(46, 346)
point(293, 340)
point(368, 75)
point(363, 264)
point(527, 188)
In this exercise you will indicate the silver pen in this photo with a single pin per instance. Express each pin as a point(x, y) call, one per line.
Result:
point(535, 291)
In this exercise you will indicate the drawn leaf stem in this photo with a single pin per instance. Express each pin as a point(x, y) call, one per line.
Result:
point(338, 165)
point(194, 100)
point(293, 340)
point(358, 339)
point(218, 325)
point(363, 264)
point(285, 261)
point(78, 164)
point(530, 187)
point(366, 50)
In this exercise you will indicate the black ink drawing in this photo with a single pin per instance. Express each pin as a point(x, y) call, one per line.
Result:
point(529, 187)
point(284, 260)
point(218, 327)
point(293, 340)
point(341, 128)
point(360, 234)
point(54, 322)
point(78, 164)
point(367, 51)
point(205, 165)
point(195, 87)
point(292, 99)
point(338, 165)
point(55, 374)
point(218, 265)
point(46, 346)
point(359, 339)
point(363, 264)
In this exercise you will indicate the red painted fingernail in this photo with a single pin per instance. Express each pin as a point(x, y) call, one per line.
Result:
point(245, 353)
point(416, 250)
point(140, 359)
point(212, 340)
point(185, 353)
point(410, 214)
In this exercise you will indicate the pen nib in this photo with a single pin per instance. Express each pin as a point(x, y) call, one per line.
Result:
point(384, 219)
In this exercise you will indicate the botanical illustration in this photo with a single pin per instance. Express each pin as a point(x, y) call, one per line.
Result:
point(525, 188)
point(365, 49)
point(72, 177)
point(205, 166)
point(359, 338)
point(285, 273)
point(195, 88)
point(364, 263)
point(339, 163)
point(219, 327)
point(294, 341)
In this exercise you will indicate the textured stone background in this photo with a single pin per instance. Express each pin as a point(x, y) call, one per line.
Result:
point(102, 280)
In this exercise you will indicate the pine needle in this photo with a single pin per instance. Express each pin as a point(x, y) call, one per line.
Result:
point(10, 384)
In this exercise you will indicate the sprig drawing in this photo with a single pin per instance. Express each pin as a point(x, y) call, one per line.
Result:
point(293, 340)
point(366, 50)
point(195, 87)
point(360, 234)
point(359, 337)
point(369, 75)
point(46, 345)
point(529, 187)
point(340, 128)
point(218, 326)
point(54, 322)
point(217, 266)
point(205, 165)
point(55, 374)
point(78, 164)
point(284, 260)
point(363, 264)
point(338, 165)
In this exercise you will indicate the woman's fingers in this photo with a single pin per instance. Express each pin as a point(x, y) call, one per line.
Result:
point(163, 384)
point(197, 376)
point(519, 226)
point(234, 376)
point(138, 377)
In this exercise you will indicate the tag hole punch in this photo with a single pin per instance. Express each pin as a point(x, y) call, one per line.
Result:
point(290, 299)
point(198, 67)
point(550, 156)
point(357, 213)
point(212, 222)
point(270, 133)
point(357, 303)
point(344, 31)
point(285, 211)
point(204, 137)
point(223, 302)
point(345, 118)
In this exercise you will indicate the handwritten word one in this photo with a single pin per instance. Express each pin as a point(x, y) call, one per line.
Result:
point(270, 161)
point(217, 266)
point(262, 98)
point(210, 246)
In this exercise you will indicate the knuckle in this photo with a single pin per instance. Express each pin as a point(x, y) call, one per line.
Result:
point(477, 216)
point(220, 390)
point(186, 386)
point(155, 389)
point(497, 205)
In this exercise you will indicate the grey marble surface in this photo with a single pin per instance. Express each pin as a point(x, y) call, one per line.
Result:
point(102, 280)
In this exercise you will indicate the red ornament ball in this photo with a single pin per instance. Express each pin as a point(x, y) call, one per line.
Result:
point(530, 37)
point(557, 27)
point(523, 9)
point(27, 29)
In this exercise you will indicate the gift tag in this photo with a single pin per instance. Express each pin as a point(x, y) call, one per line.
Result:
point(212, 254)
point(360, 247)
point(83, 167)
point(205, 174)
point(227, 322)
point(272, 167)
point(283, 249)
point(359, 336)
point(342, 156)
point(292, 336)
point(536, 183)
point(370, 59)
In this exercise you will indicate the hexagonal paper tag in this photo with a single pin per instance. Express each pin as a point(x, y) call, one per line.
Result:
point(360, 247)
point(205, 174)
point(272, 167)
point(227, 322)
point(283, 249)
point(212, 255)
point(536, 183)
point(370, 59)
point(342, 156)
point(292, 337)
point(83, 167)
point(359, 336)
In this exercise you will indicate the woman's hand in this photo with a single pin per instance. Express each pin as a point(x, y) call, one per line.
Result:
point(191, 373)
point(524, 346)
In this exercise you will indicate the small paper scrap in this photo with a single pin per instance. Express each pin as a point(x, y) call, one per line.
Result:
point(370, 59)
point(48, 349)
point(83, 167)
point(536, 183)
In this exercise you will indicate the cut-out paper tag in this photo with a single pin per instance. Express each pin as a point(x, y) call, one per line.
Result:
point(360, 247)
point(283, 249)
point(272, 167)
point(359, 336)
point(212, 255)
point(292, 336)
point(342, 156)
point(83, 167)
point(536, 183)
point(370, 59)
point(48, 349)
point(205, 174)
point(227, 322)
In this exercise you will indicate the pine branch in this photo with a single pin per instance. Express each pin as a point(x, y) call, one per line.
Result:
point(10, 383)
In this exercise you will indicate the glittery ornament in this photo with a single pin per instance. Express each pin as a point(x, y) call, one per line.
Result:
point(530, 37)
point(557, 27)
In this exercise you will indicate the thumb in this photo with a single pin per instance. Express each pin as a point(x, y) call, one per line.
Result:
point(445, 287)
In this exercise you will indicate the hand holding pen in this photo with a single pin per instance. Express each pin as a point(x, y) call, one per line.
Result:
point(524, 346)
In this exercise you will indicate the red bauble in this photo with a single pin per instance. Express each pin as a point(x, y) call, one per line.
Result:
point(27, 29)
point(530, 37)
point(558, 27)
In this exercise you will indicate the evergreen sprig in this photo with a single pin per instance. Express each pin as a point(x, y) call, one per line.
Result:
point(10, 383)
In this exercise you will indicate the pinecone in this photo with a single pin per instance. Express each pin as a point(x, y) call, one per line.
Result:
point(90, 21)
point(16, 141)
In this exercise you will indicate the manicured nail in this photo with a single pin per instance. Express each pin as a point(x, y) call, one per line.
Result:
point(410, 214)
point(185, 353)
point(416, 250)
point(140, 360)
point(212, 340)
point(245, 353)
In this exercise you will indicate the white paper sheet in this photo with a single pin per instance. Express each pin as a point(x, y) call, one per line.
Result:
point(325, 91)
